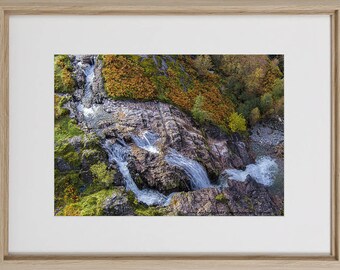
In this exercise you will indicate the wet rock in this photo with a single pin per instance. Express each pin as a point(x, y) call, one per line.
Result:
point(200, 202)
point(98, 83)
point(239, 198)
point(150, 170)
point(250, 198)
point(175, 130)
point(118, 205)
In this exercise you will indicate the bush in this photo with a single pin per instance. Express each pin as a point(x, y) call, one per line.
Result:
point(278, 89)
point(125, 78)
point(266, 102)
point(63, 80)
point(197, 111)
point(202, 64)
point(255, 116)
point(237, 123)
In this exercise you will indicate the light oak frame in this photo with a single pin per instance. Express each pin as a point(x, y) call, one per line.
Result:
point(174, 7)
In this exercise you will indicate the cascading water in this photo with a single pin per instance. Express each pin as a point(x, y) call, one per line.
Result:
point(197, 174)
point(263, 171)
point(146, 141)
point(89, 75)
point(119, 153)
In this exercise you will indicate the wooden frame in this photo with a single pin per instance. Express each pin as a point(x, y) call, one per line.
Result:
point(100, 7)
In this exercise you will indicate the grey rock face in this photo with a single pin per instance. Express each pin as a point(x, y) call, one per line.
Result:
point(238, 199)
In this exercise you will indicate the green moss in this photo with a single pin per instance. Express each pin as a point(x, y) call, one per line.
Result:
point(149, 66)
point(73, 159)
point(142, 209)
point(249, 203)
point(74, 183)
point(65, 128)
point(138, 180)
point(102, 174)
point(221, 198)
point(63, 80)
point(132, 198)
point(59, 101)
point(150, 211)
point(88, 153)
point(88, 206)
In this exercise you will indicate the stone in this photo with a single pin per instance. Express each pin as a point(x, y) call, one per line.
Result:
point(247, 198)
point(118, 204)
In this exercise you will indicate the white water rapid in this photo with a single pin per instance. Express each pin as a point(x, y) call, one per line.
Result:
point(197, 174)
point(118, 153)
point(146, 141)
point(263, 171)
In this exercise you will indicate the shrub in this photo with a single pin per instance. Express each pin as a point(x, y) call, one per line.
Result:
point(255, 116)
point(125, 78)
point(278, 89)
point(197, 111)
point(202, 64)
point(266, 102)
point(63, 80)
point(237, 123)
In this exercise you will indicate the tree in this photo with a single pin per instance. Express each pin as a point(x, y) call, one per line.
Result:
point(197, 111)
point(266, 102)
point(202, 64)
point(237, 122)
point(278, 89)
point(255, 116)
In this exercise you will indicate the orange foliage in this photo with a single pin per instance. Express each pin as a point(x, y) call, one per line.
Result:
point(126, 79)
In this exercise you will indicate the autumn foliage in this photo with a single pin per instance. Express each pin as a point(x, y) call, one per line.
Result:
point(63, 80)
point(249, 87)
point(126, 79)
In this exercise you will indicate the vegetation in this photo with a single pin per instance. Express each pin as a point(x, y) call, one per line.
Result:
point(221, 198)
point(63, 80)
point(102, 174)
point(90, 205)
point(232, 92)
point(197, 111)
point(79, 154)
point(237, 123)
point(212, 88)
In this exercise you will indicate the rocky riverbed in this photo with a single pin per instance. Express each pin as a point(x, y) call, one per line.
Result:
point(165, 164)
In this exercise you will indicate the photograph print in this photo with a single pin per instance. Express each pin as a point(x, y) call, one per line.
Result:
point(168, 135)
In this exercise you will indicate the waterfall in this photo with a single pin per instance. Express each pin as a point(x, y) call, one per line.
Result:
point(146, 141)
point(88, 70)
point(197, 174)
point(119, 153)
point(263, 171)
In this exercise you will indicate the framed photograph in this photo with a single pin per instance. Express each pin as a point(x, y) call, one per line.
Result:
point(148, 135)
